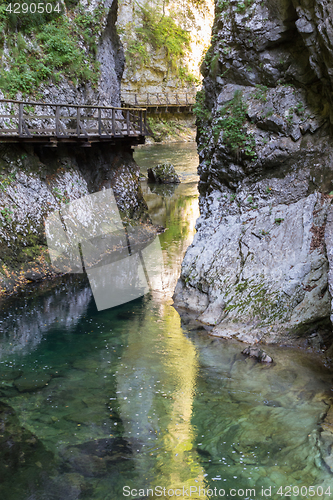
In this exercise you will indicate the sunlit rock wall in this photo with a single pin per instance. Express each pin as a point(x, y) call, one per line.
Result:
point(258, 266)
point(157, 74)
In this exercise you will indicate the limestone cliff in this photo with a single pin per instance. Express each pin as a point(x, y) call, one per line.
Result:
point(258, 266)
point(164, 43)
point(73, 56)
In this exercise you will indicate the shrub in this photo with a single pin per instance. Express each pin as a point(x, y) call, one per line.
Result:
point(231, 121)
point(49, 49)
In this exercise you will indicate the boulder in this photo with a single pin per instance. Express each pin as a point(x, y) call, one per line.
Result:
point(163, 173)
point(254, 351)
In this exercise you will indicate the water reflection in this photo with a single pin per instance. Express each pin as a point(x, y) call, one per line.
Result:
point(26, 319)
point(156, 382)
point(126, 397)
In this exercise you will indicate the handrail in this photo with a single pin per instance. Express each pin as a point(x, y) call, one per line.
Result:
point(64, 105)
point(186, 98)
point(86, 123)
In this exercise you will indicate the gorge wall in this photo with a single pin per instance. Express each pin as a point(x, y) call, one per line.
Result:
point(164, 43)
point(259, 266)
point(73, 57)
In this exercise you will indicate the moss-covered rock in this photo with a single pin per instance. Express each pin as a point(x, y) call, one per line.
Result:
point(164, 173)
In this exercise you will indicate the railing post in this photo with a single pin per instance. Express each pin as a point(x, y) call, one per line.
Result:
point(57, 122)
point(140, 118)
point(113, 121)
point(99, 121)
point(186, 99)
point(20, 126)
point(78, 117)
point(135, 100)
point(127, 122)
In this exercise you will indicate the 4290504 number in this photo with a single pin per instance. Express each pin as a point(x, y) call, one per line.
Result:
point(33, 8)
point(304, 491)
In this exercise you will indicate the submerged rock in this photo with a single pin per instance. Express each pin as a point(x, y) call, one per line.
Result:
point(32, 382)
point(95, 458)
point(163, 173)
point(257, 353)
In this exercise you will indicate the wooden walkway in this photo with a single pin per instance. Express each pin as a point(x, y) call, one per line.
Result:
point(51, 123)
point(160, 102)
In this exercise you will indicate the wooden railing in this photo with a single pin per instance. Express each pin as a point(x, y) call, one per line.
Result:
point(159, 99)
point(28, 120)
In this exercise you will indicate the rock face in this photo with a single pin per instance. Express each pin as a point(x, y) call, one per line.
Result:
point(34, 180)
point(259, 264)
point(152, 64)
point(37, 181)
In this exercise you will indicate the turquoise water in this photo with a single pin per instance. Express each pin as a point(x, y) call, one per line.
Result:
point(105, 405)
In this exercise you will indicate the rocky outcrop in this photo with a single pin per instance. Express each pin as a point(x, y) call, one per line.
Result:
point(258, 267)
point(37, 181)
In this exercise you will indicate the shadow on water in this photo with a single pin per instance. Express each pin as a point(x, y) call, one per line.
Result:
point(95, 402)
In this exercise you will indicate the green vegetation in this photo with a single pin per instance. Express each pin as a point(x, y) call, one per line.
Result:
point(161, 128)
point(156, 31)
point(6, 214)
point(269, 113)
point(7, 180)
point(278, 220)
point(299, 109)
point(240, 7)
point(290, 116)
point(47, 47)
point(200, 109)
point(231, 121)
point(261, 93)
point(222, 4)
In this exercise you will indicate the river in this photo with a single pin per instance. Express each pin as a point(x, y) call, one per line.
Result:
point(107, 405)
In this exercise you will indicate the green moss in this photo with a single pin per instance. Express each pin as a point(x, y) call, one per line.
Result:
point(156, 31)
point(256, 301)
point(231, 121)
point(47, 47)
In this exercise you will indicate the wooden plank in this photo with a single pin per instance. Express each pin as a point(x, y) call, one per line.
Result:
point(113, 122)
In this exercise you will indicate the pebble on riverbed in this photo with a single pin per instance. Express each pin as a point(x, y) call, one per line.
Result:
point(257, 353)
